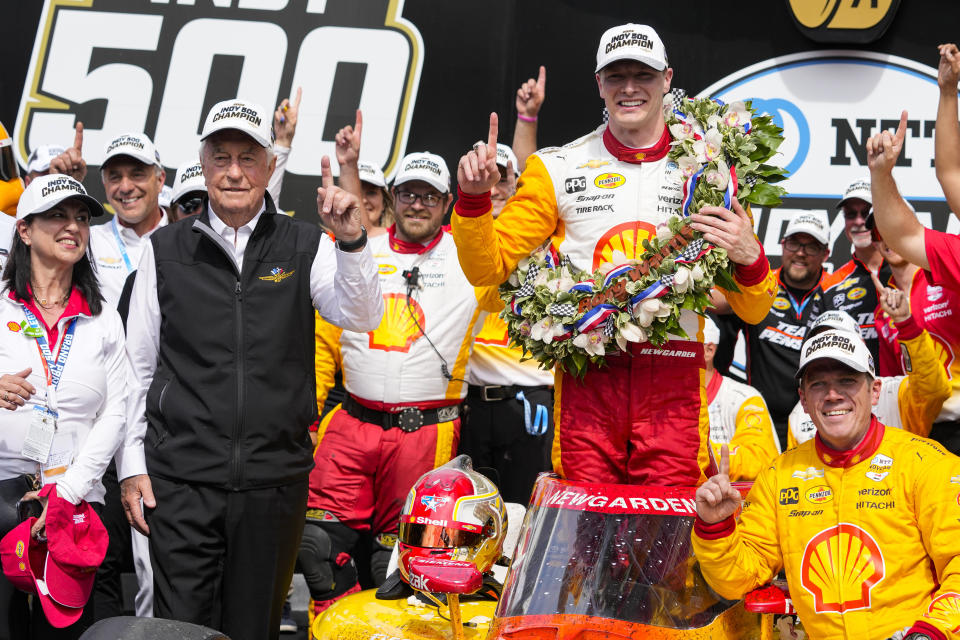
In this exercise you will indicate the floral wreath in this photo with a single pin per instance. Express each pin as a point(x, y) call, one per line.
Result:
point(563, 316)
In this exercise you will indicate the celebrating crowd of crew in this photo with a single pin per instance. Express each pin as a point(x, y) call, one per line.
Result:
point(198, 316)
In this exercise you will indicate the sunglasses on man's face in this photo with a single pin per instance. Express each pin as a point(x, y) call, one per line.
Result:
point(190, 205)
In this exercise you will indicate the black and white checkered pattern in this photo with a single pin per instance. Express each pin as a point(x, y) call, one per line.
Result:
point(751, 180)
point(525, 291)
point(674, 97)
point(692, 250)
point(610, 326)
point(532, 272)
point(667, 280)
point(562, 310)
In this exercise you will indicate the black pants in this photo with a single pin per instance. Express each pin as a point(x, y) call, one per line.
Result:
point(21, 619)
point(108, 591)
point(494, 435)
point(224, 559)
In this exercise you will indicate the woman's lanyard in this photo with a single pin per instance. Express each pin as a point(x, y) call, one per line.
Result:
point(121, 245)
point(52, 367)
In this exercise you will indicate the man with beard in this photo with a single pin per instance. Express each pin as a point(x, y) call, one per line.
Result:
point(850, 288)
point(404, 383)
point(773, 345)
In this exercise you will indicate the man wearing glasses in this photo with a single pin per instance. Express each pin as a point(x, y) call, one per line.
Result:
point(189, 189)
point(773, 345)
point(850, 288)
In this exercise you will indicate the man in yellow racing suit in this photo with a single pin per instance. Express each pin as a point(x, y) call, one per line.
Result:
point(643, 418)
point(864, 519)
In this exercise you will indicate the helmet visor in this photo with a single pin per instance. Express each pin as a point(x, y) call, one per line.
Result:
point(437, 536)
point(8, 164)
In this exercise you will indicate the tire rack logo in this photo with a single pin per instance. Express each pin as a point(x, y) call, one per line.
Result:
point(840, 567)
point(858, 21)
point(158, 67)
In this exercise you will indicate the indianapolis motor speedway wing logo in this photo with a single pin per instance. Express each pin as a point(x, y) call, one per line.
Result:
point(158, 66)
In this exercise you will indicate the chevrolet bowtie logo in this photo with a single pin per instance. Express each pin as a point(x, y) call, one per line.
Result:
point(277, 274)
point(593, 164)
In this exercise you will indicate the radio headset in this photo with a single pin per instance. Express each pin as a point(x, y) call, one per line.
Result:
point(412, 278)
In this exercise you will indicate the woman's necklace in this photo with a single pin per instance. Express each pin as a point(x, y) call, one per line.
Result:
point(45, 304)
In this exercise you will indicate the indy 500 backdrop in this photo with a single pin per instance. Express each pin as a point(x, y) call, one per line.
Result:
point(427, 74)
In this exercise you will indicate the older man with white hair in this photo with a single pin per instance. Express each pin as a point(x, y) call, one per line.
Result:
point(220, 338)
point(863, 518)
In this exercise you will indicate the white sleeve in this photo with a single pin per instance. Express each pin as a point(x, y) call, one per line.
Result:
point(107, 431)
point(345, 287)
point(143, 345)
point(276, 180)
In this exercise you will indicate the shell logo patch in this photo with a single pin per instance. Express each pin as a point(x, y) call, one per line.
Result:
point(627, 238)
point(386, 269)
point(398, 329)
point(13, 326)
point(879, 467)
point(820, 494)
point(856, 294)
point(781, 303)
point(277, 274)
point(19, 549)
point(840, 567)
point(609, 180)
point(945, 608)
point(593, 164)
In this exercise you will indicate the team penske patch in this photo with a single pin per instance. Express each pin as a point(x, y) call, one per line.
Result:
point(879, 467)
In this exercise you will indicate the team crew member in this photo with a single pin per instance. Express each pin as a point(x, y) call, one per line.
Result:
point(597, 438)
point(850, 287)
point(863, 518)
point(773, 345)
point(132, 179)
point(947, 132)
point(65, 371)
point(38, 164)
point(738, 417)
point(189, 190)
point(404, 382)
point(910, 401)
point(509, 418)
point(227, 386)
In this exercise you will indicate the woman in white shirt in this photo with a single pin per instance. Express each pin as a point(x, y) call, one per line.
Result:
point(63, 395)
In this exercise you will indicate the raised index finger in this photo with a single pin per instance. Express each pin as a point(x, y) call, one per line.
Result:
point(901, 129)
point(296, 101)
point(78, 137)
point(725, 460)
point(358, 127)
point(542, 79)
point(876, 281)
point(492, 135)
point(326, 175)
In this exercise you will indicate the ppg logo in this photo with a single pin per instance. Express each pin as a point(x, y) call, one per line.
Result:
point(574, 185)
point(790, 495)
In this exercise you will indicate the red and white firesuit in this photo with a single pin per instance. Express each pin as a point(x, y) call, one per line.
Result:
point(643, 418)
point(363, 470)
point(869, 538)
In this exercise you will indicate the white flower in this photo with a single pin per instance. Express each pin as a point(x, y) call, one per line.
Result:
point(681, 131)
point(737, 114)
point(713, 121)
point(664, 234)
point(525, 328)
point(592, 342)
point(546, 330)
point(621, 341)
point(633, 333)
point(713, 144)
point(618, 257)
point(699, 151)
point(720, 176)
point(514, 279)
point(697, 273)
point(542, 276)
point(524, 264)
point(565, 282)
point(664, 311)
point(647, 312)
point(682, 280)
point(689, 165)
point(553, 285)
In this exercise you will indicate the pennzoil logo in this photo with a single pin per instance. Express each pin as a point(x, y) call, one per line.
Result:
point(858, 21)
point(781, 303)
point(277, 274)
point(856, 294)
point(386, 269)
point(189, 56)
point(840, 567)
point(819, 494)
point(609, 180)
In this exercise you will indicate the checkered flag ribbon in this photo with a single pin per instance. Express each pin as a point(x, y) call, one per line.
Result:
point(562, 310)
point(532, 272)
point(610, 326)
point(667, 280)
point(673, 98)
point(751, 180)
point(691, 252)
point(525, 291)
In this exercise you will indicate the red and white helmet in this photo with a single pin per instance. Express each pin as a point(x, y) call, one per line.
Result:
point(453, 513)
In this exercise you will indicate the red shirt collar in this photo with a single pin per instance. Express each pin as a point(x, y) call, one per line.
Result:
point(402, 246)
point(637, 156)
point(76, 306)
point(867, 447)
point(714, 386)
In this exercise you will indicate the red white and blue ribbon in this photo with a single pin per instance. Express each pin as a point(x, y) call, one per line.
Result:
point(583, 287)
point(688, 188)
point(595, 317)
point(515, 307)
point(656, 290)
point(616, 273)
point(731, 190)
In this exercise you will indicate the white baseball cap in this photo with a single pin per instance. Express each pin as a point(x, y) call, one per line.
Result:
point(136, 145)
point(813, 223)
point(45, 192)
point(859, 188)
point(41, 157)
point(189, 178)
point(834, 319)
point(631, 42)
point(504, 155)
point(711, 332)
point(425, 166)
point(240, 115)
point(371, 173)
point(843, 346)
point(164, 198)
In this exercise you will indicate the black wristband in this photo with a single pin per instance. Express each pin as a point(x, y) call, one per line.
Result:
point(359, 243)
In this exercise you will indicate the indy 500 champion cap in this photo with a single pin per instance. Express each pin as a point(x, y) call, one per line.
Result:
point(240, 115)
point(843, 346)
point(136, 145)
point(425, 166)
point(813, 223)
point(631, 42)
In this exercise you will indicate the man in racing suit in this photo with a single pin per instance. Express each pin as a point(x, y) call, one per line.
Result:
point(738, 416)
point(404, 382)
point(642, 418)
point(863, 518)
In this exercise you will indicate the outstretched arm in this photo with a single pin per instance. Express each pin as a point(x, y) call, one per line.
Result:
point(896, 222)
point(947, 133)
point(530, 97)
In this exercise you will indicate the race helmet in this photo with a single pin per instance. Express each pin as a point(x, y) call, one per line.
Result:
point(452, 513)
point(11, 186)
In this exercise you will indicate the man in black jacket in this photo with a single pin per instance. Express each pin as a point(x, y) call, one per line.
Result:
point(220, 337)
